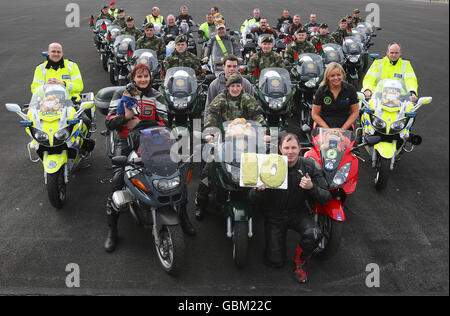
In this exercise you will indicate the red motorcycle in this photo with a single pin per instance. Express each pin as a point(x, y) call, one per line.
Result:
point(333, 149)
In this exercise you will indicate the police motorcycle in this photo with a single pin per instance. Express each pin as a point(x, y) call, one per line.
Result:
point(224, 178)
point(100, 30)
point(106, 56)
point(354, 53)
point(389, 114)
point(333, 149)
point(186, 29)
point(275, 95)
point(247, 41)
point(123, 49)
point(155, 189)
point(59, 137)
point(307, 74)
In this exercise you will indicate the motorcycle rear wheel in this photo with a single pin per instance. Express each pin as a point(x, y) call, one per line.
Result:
point(331, 237)
point(171, 251)
point(56, 188)
point(383, 171)
point(240, 243)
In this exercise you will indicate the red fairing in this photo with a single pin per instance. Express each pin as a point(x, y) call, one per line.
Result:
point(333, 209)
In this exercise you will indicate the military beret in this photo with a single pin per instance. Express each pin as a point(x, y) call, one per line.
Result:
point(130, 18)
point(268, 39)
point(301, 29)
point(148, 25)
point(323, 26)
point(180, 39)
point(234, 78)
point(343, 20)
point(356, 11)
point(349, 16)
point(121, 10)
point(105, 7)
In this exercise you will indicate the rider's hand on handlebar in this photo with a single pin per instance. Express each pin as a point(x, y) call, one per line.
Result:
point(209, 138)
point(413, 98)
point(205, 59)
point(367, 93)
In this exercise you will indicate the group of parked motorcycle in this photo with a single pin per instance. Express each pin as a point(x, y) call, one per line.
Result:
point(156, 183)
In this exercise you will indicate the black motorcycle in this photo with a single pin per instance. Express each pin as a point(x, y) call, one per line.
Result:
point(155, 189)
point(354, 54)
point(106, 52)
point(123, 49)
point(100, 29)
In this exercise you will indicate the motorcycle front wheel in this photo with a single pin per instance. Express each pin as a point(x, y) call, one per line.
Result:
point(331, 237)
point(104, 62)
point(56, 188)
point(112, 75)
point(171, 250)
point(240, 243)
point(383, 171)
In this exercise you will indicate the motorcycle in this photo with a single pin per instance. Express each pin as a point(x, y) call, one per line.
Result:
point(389, 114)
point(354, 64)
point(307, 75)
point(100, 30)
point(106, 53)
point(224, 178)
point(147, 57)
point(248, 42)
point(215, 63)
point(333, 151)
point(275, 95)
point(332, 53)
point(123, 49)
point(155, 189)
point(284, 38)
point(59, 138)
point(186, 29)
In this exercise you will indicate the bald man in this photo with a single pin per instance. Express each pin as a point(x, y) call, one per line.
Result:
point(57, 70)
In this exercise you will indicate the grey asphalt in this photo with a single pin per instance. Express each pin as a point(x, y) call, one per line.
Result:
point(403, 229)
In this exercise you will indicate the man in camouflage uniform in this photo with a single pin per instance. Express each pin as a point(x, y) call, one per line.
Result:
point(130, 29)
point(150, 41)
point(228, 105)
point(105, 15)
point(299, 46)
point(324, 37)
point(182, 58)
point(356, 18)
point(265, 58)
point(120, 20)
point(341, 32)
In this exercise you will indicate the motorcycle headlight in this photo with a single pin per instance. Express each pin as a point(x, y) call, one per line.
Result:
point(63, 134)
point(341, 175)
point(166, 185)
point(312, 83)
point(235, 172)
point(180, 103)
point(378, 124)
point(397, 126)
point(353, 58)
point(276, 104)
point(39, 135)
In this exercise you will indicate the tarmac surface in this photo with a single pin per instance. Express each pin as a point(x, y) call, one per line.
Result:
point(404, 229)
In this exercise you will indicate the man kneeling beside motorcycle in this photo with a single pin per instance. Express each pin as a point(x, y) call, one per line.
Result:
point(287, 209)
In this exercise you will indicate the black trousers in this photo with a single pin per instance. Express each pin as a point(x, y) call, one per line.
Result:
point(276, 231)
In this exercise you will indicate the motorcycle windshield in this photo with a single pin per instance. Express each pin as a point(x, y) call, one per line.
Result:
point(99, 23)
point(275, 83)
point(122, 43)
point(313, 30)
point(158, 29)
point(285, 28)
point(366, 27)
point(154, 148)
point(180, 82)
point(113, 31)
point(184, 28)
point(248, 29)
point(242, 136)
point(217, 54)
point(50, 100)
point(333, 53)
point(332, 143)
point(309, 66)
point(390, 93)
point(147, 57)
point(352, 45)
point(359, 35)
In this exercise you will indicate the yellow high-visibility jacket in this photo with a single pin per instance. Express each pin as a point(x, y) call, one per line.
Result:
point(383, 69)
point(70, 74)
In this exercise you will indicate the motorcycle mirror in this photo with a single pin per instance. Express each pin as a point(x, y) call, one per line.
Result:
point(361, 96)
point(425, 100)
point(119, 160)
point(379, 28)
point(26, 123)
point(249, 36)
point(374, 35)
point(12, 107)
point(373, 139)
point(306, 128)
point(44, 54)
point(201, 32)
point(374, 56)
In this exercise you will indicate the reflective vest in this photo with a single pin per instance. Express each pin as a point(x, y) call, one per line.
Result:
point(151, 18)
point(221, 45)
point(70, 74)
point(206, 28)
point(114, 12)
point(383, 69)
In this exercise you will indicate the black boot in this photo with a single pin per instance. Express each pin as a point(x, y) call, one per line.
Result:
point(185, 223)
point(112, 237)
point(200, 208)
